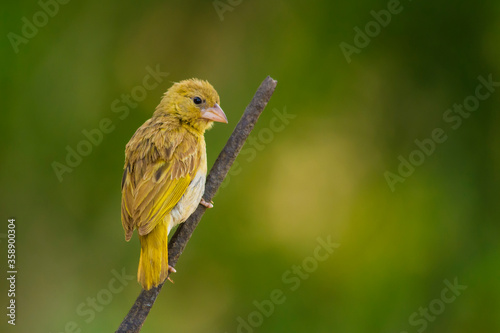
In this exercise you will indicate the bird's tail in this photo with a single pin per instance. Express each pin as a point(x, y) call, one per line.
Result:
point(153, 264)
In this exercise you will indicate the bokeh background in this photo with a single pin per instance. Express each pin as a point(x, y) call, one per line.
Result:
point(321, 175)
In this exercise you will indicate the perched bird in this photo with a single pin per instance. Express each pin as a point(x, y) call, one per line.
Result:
point(165, 172)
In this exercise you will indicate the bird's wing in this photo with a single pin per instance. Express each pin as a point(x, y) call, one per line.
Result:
point(153, 183)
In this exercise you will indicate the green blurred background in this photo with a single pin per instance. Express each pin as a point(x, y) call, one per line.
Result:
point(321, 175)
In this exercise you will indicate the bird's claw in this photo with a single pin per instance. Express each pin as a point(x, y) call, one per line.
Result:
point(207, 204)
point(171, 270)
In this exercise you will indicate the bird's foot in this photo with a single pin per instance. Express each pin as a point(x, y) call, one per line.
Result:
point(171, 270)
point(207, 204)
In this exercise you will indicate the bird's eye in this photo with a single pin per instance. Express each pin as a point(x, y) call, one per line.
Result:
point(197, 100)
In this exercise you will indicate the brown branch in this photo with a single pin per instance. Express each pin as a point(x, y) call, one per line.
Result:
point(144, 302)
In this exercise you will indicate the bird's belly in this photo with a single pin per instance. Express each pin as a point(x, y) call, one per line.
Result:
point(189, 201)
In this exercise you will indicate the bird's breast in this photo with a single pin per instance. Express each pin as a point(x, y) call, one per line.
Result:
point(191, 198)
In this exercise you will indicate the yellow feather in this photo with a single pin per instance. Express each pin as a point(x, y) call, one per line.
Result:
point(153, 262)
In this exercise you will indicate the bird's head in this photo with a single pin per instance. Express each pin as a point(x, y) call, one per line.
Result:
point(194, 102)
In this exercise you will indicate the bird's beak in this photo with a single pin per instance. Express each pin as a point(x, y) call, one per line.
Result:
point(214, 113)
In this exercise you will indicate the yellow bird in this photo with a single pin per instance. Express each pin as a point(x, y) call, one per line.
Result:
point(165, 172)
